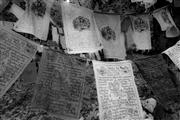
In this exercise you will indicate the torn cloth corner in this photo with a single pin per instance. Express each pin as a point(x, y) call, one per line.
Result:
point(174, 54)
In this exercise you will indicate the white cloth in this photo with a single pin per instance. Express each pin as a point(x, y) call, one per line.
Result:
point(174, 54)
point(80, 29)
point(163, 17)
point(141, 32)
point(166, 22)
point(129, 39)
point(112, 38)
point(33, 24)
point(117, 92)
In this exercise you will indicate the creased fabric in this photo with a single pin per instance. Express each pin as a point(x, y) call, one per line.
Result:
point(141, 32)
point(111, 36)
point(144, 90)
point(130, 44)
point(60, 84)
point(166, 22)
point(155, 71)
point(35, 20)
point(174, 54)
point(162, 17)
point(117, 93)
point(80, 29)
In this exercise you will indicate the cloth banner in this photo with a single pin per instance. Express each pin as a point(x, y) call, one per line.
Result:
point(144, 90)
point(16, 52)
point(35, 19)
point(166, 22)
point(81, 33)
point(29, 74)
point(60, 84)
point(117, 93)
point(155, 71)
point(130, 44)
point(174, 54)
point(126, 28)
point(111, 36)
point(141, 32)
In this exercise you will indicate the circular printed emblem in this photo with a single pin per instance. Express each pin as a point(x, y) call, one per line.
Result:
point(81, 23)
point(140, 25)
point(108, 33)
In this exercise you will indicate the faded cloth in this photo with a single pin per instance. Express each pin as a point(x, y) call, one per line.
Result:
point(59, 86)
point(144, 90)
point(141, 32)
point(35, 19)
point(111, 35)
point(126, 28)
point(166, 22)
point(80, 29)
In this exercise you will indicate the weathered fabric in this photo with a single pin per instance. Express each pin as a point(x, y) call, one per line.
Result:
point(166, 22)
point(155, 71)
point(60, 85)
point(141, 32)
point(35, 19)
point(112, 38)
point(117, 93)
point(80, 29)
point(144, 90)
point(162, 17)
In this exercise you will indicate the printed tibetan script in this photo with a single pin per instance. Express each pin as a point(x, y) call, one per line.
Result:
point(16, 52)
point(117, 93)
point(60, 85)
point(155, 71)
